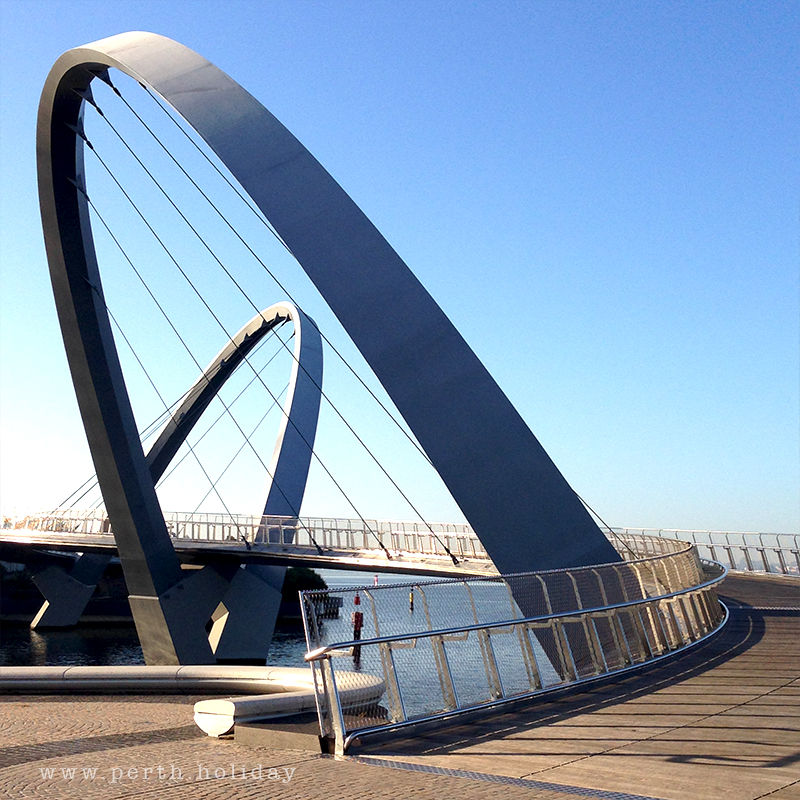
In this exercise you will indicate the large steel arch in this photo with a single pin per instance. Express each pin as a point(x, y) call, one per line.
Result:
point(524, 511)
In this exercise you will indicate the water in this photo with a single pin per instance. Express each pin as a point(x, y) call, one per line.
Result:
point(118, 645)
point(342, 578)
point(86, 646)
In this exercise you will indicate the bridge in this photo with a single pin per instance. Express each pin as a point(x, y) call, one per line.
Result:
point(534, 598)
point(453, 412)
point(443, 550)
point(401, 546)
point(412, 548)
point(535, 604)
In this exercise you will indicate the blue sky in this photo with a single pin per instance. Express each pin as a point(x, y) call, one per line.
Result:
point(602, 196)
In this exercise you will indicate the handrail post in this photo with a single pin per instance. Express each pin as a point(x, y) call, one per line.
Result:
point(487, 651)
point(613, 622)
point(334, 706)
point(397, 708)
point(568, 668)
point(528, 655)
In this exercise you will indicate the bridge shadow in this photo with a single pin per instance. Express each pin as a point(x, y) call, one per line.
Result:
point(84, 745)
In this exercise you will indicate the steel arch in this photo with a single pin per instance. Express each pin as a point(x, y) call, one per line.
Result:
point(517, 501)
point(288, 469)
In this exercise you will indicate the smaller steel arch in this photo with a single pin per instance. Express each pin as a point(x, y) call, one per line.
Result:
point(291, 458)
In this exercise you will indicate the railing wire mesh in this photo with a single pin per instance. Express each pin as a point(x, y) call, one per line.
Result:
point(444, 647)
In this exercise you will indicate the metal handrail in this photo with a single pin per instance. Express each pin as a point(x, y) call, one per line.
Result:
point(750, 551)
point(679, 609)
point(645, 559)
point(320, 652)
point(492, 704)
point(304, 531)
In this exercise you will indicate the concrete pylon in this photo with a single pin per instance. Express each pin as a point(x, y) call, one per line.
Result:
point(66, 594)
point(242, 632)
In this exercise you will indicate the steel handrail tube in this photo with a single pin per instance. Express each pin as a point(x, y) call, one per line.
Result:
point(488, 706)
point(321, 652)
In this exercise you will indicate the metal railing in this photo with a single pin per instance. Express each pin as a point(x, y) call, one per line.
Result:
point(447, 647)
point(776, 553)
point(303, 532)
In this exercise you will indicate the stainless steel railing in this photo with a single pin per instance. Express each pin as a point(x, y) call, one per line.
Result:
point(448, 647)
point(303, 532)
point(776, 553)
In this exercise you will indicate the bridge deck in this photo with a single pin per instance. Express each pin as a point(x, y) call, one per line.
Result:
point(200, 552)
point(722, 722)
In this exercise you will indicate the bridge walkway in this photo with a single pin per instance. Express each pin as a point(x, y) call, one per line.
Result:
point(720, 723)
point(436, 550)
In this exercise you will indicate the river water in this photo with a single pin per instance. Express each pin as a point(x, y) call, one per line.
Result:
point(118, 645)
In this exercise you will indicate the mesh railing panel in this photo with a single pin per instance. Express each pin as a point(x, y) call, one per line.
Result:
point(464, 644)
point(432, 605)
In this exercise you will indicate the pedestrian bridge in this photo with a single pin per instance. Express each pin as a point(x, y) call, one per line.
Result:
point(435, 549)
point(415, 548)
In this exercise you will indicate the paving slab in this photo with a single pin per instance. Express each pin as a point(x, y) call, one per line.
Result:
point(671, 777)
point(787, 793)
point(744, 734)
point(100, 748)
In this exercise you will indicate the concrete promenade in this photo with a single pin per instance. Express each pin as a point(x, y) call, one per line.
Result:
point(720, 723)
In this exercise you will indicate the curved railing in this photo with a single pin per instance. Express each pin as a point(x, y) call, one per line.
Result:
point(776, 553)
point(449, 647)
point(435, 538)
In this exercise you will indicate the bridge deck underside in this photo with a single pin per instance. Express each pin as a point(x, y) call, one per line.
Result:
point(201, 553)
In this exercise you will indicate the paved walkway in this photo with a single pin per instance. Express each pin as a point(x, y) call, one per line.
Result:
point(721, 723)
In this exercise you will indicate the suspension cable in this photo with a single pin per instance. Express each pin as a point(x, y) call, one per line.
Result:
point(144, 434)
point(238, 286)
point(621, 541)
point(148, 431)
point(235, 456)
point(161, 397)
point(174, 466)
point(265, 222)
point(216, 318)
point(616, 536)
point(197, 363)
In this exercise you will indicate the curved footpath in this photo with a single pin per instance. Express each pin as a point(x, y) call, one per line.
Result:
point(719, 723)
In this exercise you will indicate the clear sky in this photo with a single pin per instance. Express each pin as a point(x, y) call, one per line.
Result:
point(603, 197)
